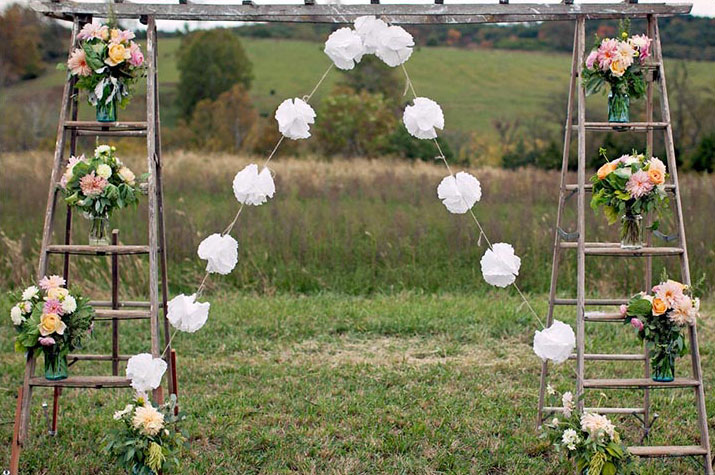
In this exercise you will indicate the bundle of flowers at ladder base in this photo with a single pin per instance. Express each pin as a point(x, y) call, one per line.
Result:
point(107, 63)
point(50, 319)
point(588, 439)
point(659, 318)
point(618, 63)
point(148, 441)
point(97, 186)
point(630, 187)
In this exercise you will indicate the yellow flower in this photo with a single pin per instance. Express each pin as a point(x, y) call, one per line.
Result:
point(618, 68)
point(58, 293)
point(606, 170)
point(116, 54)
point(659, 307)
point(114, 34)
point(148, 420)
point(51, 323)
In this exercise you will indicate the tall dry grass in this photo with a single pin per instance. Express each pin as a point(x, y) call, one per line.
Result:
point(354, 226)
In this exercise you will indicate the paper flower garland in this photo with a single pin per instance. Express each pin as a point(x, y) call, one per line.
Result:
point(459, 192)
point(187, 315)
point(221, 252)
point(345, 48)
point(369, 28)
point(394, 45)
point(500, 265)
point(423, 117)
point(555, 343)
point(145, 372)
point(294, 117)
point(253, 188)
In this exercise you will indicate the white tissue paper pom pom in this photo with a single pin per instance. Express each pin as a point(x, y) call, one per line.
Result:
point(500, 265)
point(369, 29)
point(145, 371)
point(555, 343)
point(394, 45)
point(294, 117)
point(221, 252)
point(253, 188)
point(345, 48)
point(459, 192)
point(423, 117)
point(187, 315)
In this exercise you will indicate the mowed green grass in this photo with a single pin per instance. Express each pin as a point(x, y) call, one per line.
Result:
point(474, 87)
point(408, 383)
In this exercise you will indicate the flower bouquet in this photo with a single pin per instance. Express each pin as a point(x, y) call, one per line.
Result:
point(618, 63)
point(629, 187)
point(659, 319)
point(147, 442)
point(54, 323)
point(589, 439)
point(107, 64)
point(97, 186)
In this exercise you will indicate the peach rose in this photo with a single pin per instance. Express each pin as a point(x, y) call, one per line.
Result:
point(57, 293)
point(116, 54)
point(659, 307)
point(656, 175)
point(618, 68)
point(606, 170)
point(51, 323)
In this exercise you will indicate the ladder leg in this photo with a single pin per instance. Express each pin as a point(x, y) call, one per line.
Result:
point(16, 447)
point(559, 216)
point(684, 263)
point(115, 305)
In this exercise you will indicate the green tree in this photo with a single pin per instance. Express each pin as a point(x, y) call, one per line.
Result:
point(375, 77)
point(703, 159)
point(20, 37)
point(210, 62)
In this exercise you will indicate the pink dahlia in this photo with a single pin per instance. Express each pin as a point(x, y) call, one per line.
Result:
point(52, 282)
point(93, 185)
point(606, 53)
point(592, 57)
point(77, 63)
point(642, 42)
point(639, 184)
point(53, 306)
point(670, 292)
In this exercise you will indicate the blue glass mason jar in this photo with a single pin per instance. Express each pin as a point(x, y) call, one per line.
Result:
point(107, 112)
point(618, 107)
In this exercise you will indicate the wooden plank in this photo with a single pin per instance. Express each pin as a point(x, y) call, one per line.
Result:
point(644, 251)
point(97, 250)
point(88, 357)
point(120, 304)
point(610, 357)
point(639, 383)
point(630, 126)
point(581, 220)
point(592, 302)
point(15, 446)
point(602, 410)
point(120, 314)
point(668, 451)
point(111, 133)
point(115, 305)
point(603, 317)
point(90, 124)
point(573, 187)
point(394, 13)
point(83, 382)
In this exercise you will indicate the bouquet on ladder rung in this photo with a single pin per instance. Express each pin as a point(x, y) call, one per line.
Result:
point(106, 64)
point(51, 320)
point(618, 62)
point(659, 318)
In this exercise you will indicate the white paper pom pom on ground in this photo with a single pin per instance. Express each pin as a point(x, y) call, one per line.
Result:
point(187, 315)
point(345, 48)
point(460, 192)
point(423, 117)
point(294, 117)
point(394, 45)
point(253, 188)
point(555, 343)
point(145, 372)
point(221, 252)
point(500, 265)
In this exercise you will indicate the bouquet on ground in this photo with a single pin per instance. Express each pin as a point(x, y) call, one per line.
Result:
point(618, 63)
point(629, 187)
point(51, 320)
point(659, 318)
point(591, 440)
point(147, 442)
point(97, 186)
point(107, 64)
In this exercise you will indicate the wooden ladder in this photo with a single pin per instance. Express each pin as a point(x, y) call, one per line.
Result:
point(577, 241)
point(112, 310)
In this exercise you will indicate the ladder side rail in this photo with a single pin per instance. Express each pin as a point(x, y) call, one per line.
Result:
point(684, 263)
point(559, 216)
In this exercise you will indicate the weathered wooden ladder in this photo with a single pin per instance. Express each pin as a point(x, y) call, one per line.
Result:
point(112, 310)
point(577, 241)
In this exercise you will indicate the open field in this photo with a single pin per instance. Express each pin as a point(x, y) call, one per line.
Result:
point(407, 383)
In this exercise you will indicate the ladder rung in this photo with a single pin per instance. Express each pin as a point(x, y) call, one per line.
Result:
point(109, 314)
point(591, 245)
point(84, 382)
point(603, 317)
point(592, 302)
point(603, 410)
point(644, 251)
point(639, 383)
point(610, 357)
point(80, 357)
point(111, 133)
point(589, 187)
point(124, 304)
point(88, 125)
point(96, 250)
point(634, 126)
point(668, 451)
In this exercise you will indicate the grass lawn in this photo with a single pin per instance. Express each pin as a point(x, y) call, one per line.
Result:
point(405, 383)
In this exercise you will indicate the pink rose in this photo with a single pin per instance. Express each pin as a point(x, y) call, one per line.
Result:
point(637, 324)
point(591, 59)
point(46, 341)
point(623, 309)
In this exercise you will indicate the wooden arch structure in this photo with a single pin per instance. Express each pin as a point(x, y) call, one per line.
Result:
point(423, 14)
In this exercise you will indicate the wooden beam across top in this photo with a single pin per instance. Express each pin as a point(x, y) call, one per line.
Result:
point(402, 13)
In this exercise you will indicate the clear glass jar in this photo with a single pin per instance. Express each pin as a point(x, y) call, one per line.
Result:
point(631, 231)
